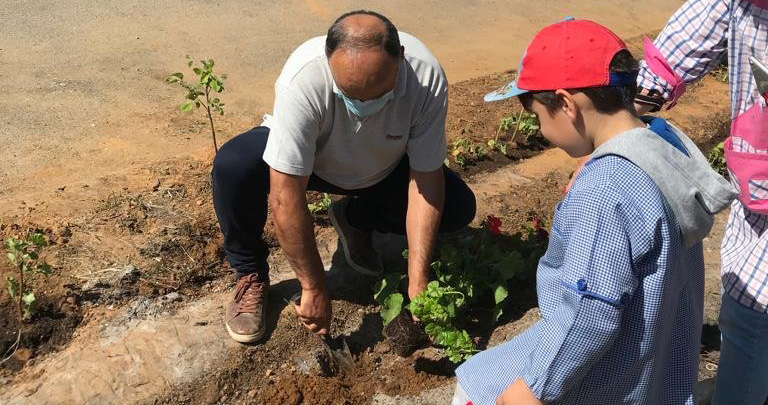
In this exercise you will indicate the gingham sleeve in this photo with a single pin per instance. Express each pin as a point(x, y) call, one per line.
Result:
point(693, 42)
point(597, 284)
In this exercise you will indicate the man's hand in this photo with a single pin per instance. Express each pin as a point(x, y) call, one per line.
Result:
point(517, 393)
point(295, 232)
point(426, 196)
point(315, 310)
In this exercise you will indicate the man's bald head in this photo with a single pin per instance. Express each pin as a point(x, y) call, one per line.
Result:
point(363, 29)
point(364, 53)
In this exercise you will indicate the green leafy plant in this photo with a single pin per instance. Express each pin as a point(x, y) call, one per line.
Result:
point(716, 159)
point(24, 256)
point(469, 271)
point(201, 92)
point(388, 297)
point(320, 206)
point(465, 152)
point(524, 123)
point(505, 124)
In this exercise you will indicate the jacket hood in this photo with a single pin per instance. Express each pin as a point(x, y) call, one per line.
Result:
point(693, 190)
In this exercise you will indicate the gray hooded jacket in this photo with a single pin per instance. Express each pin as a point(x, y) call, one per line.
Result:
point(692, 189)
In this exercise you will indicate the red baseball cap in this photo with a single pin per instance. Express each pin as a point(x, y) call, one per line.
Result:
point(572, 54)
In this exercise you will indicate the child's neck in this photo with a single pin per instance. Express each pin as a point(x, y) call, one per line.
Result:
point(608, 126)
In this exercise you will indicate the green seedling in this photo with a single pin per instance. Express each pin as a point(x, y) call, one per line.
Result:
point(466, 152)
point(24, 255)
point(716, 159)
point(320, 206)
point(505, 124)
point(201, 92)
point(526, 124)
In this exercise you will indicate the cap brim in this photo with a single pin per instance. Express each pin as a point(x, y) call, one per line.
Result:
point(507, 91)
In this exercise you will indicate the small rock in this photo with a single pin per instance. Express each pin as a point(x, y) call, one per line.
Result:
point(199, 202)
point(268, 373)
point(23, 355)
point(172, 297)
point(71, 301)
point(252, 393)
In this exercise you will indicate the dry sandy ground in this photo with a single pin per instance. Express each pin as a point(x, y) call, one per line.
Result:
point(81, 82)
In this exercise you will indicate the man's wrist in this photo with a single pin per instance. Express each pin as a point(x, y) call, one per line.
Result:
point(313, 285)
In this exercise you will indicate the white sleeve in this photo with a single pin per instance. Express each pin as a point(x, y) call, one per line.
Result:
point(426, 144)
point(293, 134)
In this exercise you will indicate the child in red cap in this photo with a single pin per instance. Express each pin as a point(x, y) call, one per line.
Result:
point(620, 287)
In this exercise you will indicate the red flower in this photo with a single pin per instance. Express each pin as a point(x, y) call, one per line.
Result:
point(493, 224)
point(541, 233)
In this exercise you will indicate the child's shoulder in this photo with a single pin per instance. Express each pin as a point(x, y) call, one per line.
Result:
point(615, 181)
point(611, 193)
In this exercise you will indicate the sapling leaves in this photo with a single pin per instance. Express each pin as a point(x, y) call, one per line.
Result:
point(386, 294)
point(199, 94)
point(321, 206)
point(24, 255)
point(12, 285)
point(391, 307)
point(30, 304)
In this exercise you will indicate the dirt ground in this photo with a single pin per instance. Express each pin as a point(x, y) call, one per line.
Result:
point(133, 312)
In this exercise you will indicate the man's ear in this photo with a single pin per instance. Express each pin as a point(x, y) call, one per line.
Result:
point(567, 104)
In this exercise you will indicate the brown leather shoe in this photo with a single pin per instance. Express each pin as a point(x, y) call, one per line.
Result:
point(246, 313)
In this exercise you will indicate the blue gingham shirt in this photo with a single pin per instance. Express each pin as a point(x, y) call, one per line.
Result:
point(620, 298)
point(694, 41)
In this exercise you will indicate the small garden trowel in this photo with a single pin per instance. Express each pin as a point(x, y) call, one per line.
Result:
point(336, 349)
point(760, 72)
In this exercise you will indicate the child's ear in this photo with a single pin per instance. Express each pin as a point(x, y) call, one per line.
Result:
point(567, 104)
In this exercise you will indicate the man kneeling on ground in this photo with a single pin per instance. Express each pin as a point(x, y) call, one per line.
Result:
point(361, 113)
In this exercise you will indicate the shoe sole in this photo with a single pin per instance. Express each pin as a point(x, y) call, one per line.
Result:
point(345, 248)
point(243, 338)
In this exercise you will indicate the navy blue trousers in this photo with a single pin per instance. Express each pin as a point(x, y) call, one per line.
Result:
point(241, 186)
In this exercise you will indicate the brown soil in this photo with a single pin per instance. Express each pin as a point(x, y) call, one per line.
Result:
point(58, 314)
point(472, 118)
point(285, 369)
point(49, 330)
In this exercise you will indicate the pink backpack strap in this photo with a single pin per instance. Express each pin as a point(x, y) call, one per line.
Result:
point(660, 67)
point(760, 3)
point(749, 170)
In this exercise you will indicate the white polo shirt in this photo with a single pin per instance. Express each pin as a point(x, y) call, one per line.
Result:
point(311, 130)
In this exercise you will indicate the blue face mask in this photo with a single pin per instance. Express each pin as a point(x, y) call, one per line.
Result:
point(363, 109)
